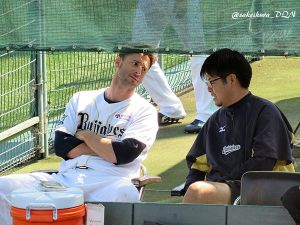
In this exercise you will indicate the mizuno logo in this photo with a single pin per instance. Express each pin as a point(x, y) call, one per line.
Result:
point(222, 129)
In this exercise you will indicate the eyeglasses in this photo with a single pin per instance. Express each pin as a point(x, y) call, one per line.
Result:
point(210, 83)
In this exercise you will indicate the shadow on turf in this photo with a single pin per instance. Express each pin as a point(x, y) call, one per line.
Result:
point(172, 131)
point(170, 178)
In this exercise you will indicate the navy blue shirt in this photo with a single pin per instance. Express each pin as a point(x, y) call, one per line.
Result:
point(251, 134)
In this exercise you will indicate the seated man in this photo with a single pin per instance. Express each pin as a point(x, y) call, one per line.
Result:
point(246, 133)
point(104, 136)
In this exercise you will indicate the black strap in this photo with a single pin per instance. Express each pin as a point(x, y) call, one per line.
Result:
point(296, 129)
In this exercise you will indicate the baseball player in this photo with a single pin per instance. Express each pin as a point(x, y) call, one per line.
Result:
point(103, 137)
point(153, 17)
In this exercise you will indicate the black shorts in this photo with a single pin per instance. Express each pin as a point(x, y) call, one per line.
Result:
point(235, 187)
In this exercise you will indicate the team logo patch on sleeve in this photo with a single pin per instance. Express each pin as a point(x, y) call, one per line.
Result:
point(61, 121)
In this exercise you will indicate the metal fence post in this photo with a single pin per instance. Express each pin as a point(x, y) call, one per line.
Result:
point(34, 95)
point(40, 103)
point(45, 105)
point(42, 90)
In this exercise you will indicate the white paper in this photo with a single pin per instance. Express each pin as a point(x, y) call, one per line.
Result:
point(94, 214)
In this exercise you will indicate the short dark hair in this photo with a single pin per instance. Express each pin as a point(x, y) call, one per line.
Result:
point(137, 49)
point(226, 61)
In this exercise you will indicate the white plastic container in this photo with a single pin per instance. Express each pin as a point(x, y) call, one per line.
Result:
point(43, 207)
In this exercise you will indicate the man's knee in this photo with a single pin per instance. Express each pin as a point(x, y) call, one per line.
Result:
point(208, 193)
point(198, 192)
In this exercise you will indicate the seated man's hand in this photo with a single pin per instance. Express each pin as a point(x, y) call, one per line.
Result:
point(82, 149)
point(82, 134)
point(94, 145)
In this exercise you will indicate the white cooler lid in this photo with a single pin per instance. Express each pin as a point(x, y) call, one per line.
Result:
point(67, 198)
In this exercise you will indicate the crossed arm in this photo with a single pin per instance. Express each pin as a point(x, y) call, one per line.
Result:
point(87, 143)
point(93, 145)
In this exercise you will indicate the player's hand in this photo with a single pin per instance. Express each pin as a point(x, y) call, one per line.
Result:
point(82, 134)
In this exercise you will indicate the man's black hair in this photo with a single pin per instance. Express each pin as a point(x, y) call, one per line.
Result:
point(226, 61)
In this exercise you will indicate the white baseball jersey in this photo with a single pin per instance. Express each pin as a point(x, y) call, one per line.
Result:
point(103, 181)
point(132, 118)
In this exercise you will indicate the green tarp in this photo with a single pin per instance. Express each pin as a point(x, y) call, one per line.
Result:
point(270, 27)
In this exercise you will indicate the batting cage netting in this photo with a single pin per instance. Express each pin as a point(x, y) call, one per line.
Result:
point(172, 26)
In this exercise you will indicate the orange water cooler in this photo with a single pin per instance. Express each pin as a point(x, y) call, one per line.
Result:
point(35, 207)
